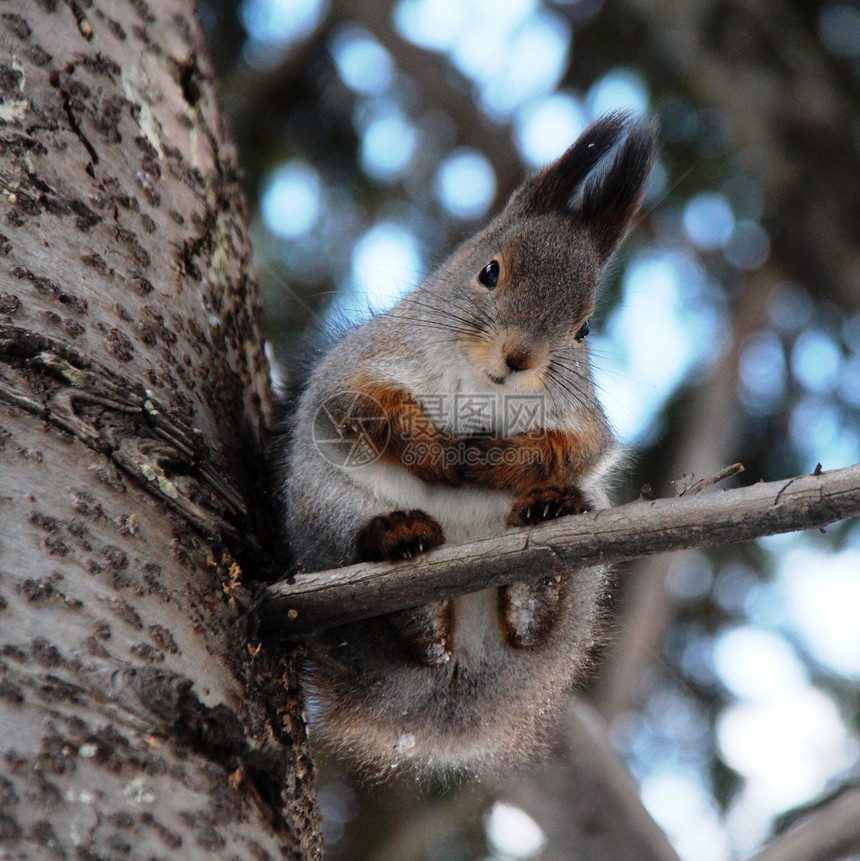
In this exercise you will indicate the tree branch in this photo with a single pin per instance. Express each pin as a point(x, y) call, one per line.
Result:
point(328, 598)
point(789, 108)
point(707, 433)
point(832, 832)
point(443, 88)
point(586, 800)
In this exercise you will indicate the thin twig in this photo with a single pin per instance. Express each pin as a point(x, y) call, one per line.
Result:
point(705, 483)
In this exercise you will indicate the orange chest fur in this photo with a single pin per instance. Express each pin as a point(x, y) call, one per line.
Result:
point(404, 434)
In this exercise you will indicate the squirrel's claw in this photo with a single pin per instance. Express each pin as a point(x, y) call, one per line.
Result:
point(547, 503)
point(398, 535)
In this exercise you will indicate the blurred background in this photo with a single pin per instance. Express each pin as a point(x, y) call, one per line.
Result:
point(377, 135)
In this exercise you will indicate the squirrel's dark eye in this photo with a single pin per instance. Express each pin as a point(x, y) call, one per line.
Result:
point(489, 275)
point(584, 329)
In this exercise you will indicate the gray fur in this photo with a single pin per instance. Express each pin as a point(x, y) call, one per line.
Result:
point(489, 703)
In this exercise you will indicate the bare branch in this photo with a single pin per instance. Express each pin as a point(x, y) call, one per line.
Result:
point(832, 832)
point(327, 598)
point(709, 434)
point(585, 799)
point(709, 44)
point(444, 89)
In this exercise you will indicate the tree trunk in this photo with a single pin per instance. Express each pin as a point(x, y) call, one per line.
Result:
point(137, 716)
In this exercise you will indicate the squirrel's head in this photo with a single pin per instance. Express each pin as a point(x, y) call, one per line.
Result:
point(522, 291)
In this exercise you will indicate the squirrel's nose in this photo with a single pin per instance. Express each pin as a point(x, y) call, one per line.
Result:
point(518, 360)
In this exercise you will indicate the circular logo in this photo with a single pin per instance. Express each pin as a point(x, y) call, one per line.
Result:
point(351, 429)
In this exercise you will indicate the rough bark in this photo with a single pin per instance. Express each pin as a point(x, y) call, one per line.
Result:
point(135, 718)
point(613, 535)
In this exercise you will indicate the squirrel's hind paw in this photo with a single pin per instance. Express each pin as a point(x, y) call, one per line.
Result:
point(398, 535)
point(547, 503)
point(426, 631)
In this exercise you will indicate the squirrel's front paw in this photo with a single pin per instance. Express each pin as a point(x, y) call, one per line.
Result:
point(546, 503)
point(398, 535)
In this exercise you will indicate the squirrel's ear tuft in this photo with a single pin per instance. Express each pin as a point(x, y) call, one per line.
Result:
point(605, 200)
point(611, 198)
point(553, 188)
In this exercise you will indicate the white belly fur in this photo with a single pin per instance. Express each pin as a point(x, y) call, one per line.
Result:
point(465, 512)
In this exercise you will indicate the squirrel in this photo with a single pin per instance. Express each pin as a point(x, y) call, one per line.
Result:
point(467, 408)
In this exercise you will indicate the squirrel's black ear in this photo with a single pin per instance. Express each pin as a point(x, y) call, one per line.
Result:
point(552, 189)
point(611, 198)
